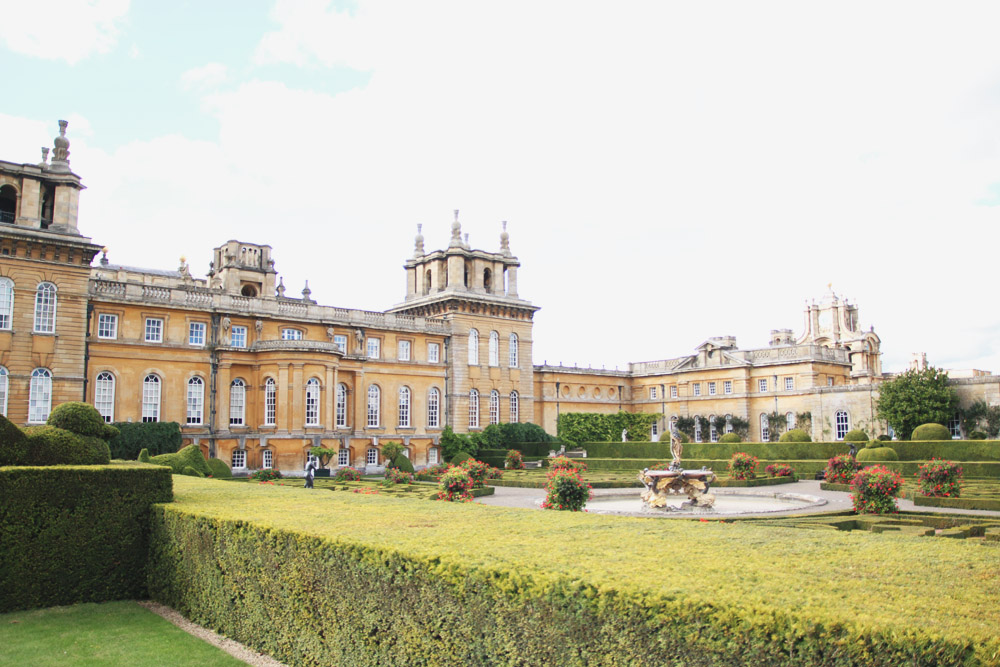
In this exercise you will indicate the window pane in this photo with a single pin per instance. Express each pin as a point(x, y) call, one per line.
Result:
point(154, 330)
point(433, 353)
point(239, 337)
point(312, 402)
point(195, 400)
point(494, 407)
point(45, 308)
point(494, 348)
point(237, 403)
point(6, 302)
point(4, 380)
point(104, 396)
point(374, 405)
point(473, 348)
point(473, 409)
point(514, 408)
point(514, 356)
point(404, 407)
point(270, 402)
point(107, 326)
point(151, 399)
point(341, 406)
point(433, 408)
point(40, 396)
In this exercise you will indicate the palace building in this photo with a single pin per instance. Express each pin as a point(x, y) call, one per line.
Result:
point(257, 377)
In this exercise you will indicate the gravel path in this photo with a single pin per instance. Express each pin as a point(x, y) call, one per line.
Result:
point(235, 649)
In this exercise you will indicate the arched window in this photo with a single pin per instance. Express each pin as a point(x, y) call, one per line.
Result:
point(473, 347)
point(312, 402)
point(6, 302)
point(237, 402)
point(514, 359)
point(40, 396)
point(151, 398)
point(473, 409)
point(955, 426)
point(765, 431)
point(104, 396)
point(45, 308)
point(374, 406)
point(789, 421)
point(843, 424)
point(494, 348)
point(195, 401)
point(403, 407)
point(270, 402)
point(341, 407)
point(494, 407)
point(713, 433)
point(4, 383)
point(697, 429)
point(514, 408)
point(434, 408)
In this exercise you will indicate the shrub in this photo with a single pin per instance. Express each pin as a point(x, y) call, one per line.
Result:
point(437, 469)
point(977, 435)
point(347, 474)
point(455, 485)
point(452, 444)
point(219, 469)
point(931, 432)
point(191, 472)
point(323, 455)
point(459, 458)
point(878, 454)
point(884, 437)
point(730, 438)
point(188, 456)
point(391, 450)
point(940, 478)
point(49, 446)
point(841, 469)
point(395, 476)
point(403, 463)
point(874, 490)
point(82, 419)
point(795, 435)
point(477, 470)
point(566, 463)
point(144, 455)
point(856, 435)
point(779, 470)
point(513, 460)
point(156, 437)
point(566, 490)
point(595, 427)
point(743, 466)
point(13, 443)
point(266, 475)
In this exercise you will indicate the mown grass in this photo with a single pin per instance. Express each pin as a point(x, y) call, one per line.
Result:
point(112, 633)
point(948, 588)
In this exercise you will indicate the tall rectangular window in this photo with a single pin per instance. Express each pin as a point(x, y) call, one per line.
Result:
point(433, 408)
point(711, 389)
point(653, 392)
point(372, 457)
point(45, 309)
point(341, 406)
point(374, 348)
point(727, 387)
point(312, 402)
point(404, 350)
point(237, 402)
point(270, 402)
point(789, 384)
point(340, 340)
point(433, 352)
point(473, 409)
point(267, 459)
point(238, 337)
point(673, 391)
point(151, 399)
point(344, 457)
point(107, 326)
point(762, 385)
point(154, 330)
point(196, 334)
point(239, 459)
point(6, 302)
point(195, 401)
point(697, 388)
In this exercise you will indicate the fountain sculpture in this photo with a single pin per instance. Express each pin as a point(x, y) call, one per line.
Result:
point(660, 484)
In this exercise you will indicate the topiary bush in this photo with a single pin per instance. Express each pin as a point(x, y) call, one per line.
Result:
point(856, 435)
point(977, 435)
point(190, 471)
point(178, 461)
point(459, 458)
point(795, 435)
point(884, 437)
point(566, 490)
point(82, 419)
point(931, 432)
point(841, 469)
point(877, 454)
point(743, 466)
point(13, 443)
point(49, 446)
point(144, 456)
point(403, 464)
point(730, 438)
point(156, 437)
point(455, 486)
point(874, 490)
point(219, 469)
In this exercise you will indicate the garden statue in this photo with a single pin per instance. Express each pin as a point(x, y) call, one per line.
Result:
point(624, 434)
point(660, 484)
point(311, 464)
point(854, 450)
point(676, 448)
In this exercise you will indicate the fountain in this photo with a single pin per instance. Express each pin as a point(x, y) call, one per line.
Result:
point(661, 484)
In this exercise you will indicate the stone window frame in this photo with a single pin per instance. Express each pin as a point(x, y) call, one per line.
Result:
point(153, 329)
point(107, 326)
point(104, 400)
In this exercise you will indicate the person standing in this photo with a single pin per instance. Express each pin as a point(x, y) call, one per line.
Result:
point(311, 465)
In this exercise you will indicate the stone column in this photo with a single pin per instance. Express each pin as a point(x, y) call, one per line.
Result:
point(282, 395)
point(222, 392)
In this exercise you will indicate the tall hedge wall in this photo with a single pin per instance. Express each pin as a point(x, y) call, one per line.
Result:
point(394, 582)
point(156, 437)
point(76, 533)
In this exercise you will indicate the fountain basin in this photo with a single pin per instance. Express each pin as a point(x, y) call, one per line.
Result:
point(728, 502)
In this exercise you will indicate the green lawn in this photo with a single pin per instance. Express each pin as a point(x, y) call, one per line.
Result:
point(113, 633)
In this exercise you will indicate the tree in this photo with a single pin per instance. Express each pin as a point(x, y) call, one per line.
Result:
point(916, 397)
point(323, 454)
point(391, 450)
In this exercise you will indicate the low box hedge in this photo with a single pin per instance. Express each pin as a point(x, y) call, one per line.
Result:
point(953, 450)
point(73, 534)
point(396, 582)
point(991, 504)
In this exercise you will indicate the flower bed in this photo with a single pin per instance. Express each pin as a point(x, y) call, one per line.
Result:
point(841, 469)
point(874, 490)
point(941, 479)
point(743, 466)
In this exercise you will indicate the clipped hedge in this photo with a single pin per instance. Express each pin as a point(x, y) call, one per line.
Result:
point(82, 419)
point(188, 457)
point(951, 450)
point(877, 454)
point(219, 469)
point(991, 504)
point(795, 435)
point(157, 437)
point(803, 467)
point(13, 443)
point(73, 534)
point(388, 583)
point(931, 432)
point(50, 446)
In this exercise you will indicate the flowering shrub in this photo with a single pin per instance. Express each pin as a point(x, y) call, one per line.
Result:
point(513, 460)
point(437, 470)
point(940, 478)
point(366, 491)
point(347, 474)
point(661, 465)
point(841, 469)
point(743, 466)
point(779, 470)
point(565, 463)
point(874, 490)
point(566, 490)
point(395, 476)
point(266, 475)
point(477, 470)
point(455, 485)
point(494, 473)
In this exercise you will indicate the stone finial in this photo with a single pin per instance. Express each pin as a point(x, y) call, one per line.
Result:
point(456, 233)
point(60, 155)
point(45, 157)
point(104, 256)
point(281, 287)
point(306, 293)
point(466, 239)
point(418, 242)
point(504, 240)
point(184, 269)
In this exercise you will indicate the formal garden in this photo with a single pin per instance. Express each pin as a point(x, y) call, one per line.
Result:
point(405, 567)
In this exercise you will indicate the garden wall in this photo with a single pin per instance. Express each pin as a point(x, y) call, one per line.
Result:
point(73, 534)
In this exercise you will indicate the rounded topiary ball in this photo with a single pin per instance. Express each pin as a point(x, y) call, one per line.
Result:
point(856, 435)
point(795, 435)
point(878, 454)
point(458, 458)
point(730, 438)
point(402, 463)
point(82, 419)
point(931, 432)
point(49, 446)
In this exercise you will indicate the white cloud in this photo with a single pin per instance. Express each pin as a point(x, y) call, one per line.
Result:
point(69, 30)
point(205, 77)
point(670, 172)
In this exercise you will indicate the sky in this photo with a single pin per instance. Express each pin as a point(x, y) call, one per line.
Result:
point(669, 171)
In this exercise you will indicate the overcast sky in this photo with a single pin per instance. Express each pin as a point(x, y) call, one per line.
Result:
point(669, 171)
